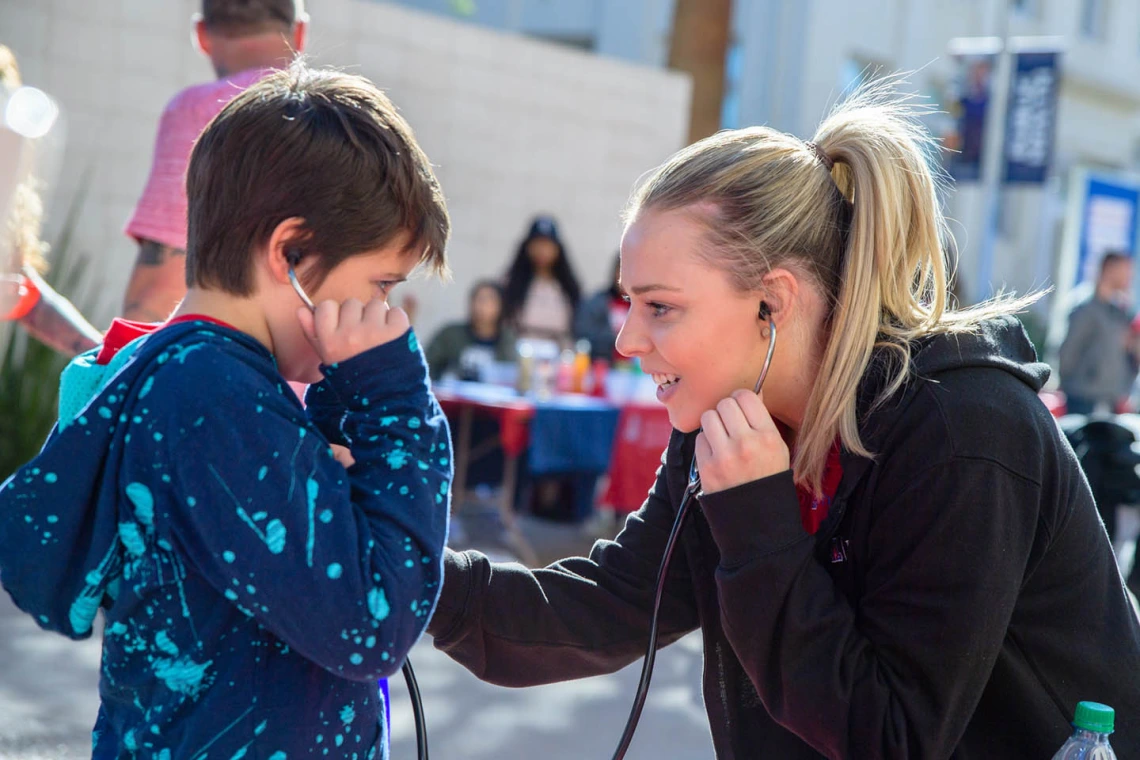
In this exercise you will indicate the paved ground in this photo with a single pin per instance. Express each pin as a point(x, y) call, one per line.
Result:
point(48, 695)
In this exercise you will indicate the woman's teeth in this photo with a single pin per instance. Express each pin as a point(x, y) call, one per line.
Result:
point(665, 380)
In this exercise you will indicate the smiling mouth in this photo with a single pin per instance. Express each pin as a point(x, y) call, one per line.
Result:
point(664, 380)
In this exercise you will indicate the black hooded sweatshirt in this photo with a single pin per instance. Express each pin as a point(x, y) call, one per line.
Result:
point(958, 601)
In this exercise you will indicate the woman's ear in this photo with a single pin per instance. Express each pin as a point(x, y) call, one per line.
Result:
point(779, 294)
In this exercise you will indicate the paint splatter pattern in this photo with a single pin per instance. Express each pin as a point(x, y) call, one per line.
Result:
point(253, 590)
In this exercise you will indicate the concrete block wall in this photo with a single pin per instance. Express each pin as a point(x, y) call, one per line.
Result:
point(514, 126)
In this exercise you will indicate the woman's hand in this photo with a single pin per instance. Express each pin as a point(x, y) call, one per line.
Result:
point(739, 443)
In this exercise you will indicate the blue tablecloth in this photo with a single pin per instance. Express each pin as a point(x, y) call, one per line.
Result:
point(572, 434)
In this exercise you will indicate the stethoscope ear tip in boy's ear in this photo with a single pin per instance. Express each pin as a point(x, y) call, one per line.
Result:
point(293, 257)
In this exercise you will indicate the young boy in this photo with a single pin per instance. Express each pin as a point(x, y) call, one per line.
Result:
point(253, 589)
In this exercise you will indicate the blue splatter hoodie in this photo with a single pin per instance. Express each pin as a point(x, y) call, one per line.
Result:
point(253, 590)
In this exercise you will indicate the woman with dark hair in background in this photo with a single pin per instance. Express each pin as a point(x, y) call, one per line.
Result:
point(542, 290)
point(482, 338)
point(600, 317)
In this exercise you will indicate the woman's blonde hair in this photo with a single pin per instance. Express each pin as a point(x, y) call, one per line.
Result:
point(857, 210)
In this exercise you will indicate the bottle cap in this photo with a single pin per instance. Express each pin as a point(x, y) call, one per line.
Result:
point(1093, 716)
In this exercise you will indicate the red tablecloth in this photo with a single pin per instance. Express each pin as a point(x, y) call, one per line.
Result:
point(512, 415)
point(642, 435)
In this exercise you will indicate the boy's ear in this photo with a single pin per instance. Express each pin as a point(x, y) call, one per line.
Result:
point(201, 36)
point(282, 247)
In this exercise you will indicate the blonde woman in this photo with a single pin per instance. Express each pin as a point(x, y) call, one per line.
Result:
point(895, 553)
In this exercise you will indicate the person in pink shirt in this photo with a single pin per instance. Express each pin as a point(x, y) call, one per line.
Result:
point(244, 39)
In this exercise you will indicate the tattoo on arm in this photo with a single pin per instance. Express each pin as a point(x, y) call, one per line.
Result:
point(153, 254)
point(56, 322)
point(157, 282)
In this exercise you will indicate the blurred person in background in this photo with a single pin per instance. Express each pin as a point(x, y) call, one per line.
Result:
point(599, 318)
point(245, 40)
point(542, 291)
point(25, 297)
point(463, 347)
point(1097, 365)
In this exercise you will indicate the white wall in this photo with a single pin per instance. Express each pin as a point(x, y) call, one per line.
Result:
point(514, 126)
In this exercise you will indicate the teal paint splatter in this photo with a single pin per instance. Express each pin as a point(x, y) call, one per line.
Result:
point(132, 539)
point(397, 458)
point(326, 516)
point(229, 556)
point(105, 413)
point(409, 563)
point(50, 477)
point(82, 613)
point(183, 674)
point(355, 659)
point(275, 536)
point(278, 756)
point(413, 344)
point(389, 421)
point(146, 387)
point(311, 490)
point(143, 500)
point(347, 714)
point(231, 595)
point(414, 422)
point(378, 604)
point(163, 642)
point(157, 437)
point(262, 472)
point(52, 519)
point(335, 571)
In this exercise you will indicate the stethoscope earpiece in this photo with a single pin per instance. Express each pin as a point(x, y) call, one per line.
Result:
point(293, 258)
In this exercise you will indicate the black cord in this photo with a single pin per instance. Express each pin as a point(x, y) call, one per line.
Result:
point(651, 651)
point(417, 710)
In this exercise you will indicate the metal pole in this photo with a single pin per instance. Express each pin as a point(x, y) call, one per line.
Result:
point(993, 157)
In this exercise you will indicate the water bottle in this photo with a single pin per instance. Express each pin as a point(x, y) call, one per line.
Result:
point(1091, 727)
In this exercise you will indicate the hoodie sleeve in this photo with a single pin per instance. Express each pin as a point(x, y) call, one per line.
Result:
point(901, 675)
point(578, 617)
point(343, 566)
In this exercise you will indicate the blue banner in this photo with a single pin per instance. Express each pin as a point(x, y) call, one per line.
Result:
point(1032, 116)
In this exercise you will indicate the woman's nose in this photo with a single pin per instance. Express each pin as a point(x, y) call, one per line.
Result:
point(631, 339)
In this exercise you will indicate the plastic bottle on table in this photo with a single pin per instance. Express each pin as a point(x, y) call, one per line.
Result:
point(1092, 724)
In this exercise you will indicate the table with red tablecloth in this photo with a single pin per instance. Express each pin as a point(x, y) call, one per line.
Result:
point(642, 435)
point(562, 434)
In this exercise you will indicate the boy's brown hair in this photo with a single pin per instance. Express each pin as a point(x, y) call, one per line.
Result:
point(319, 144)
point(240, 18)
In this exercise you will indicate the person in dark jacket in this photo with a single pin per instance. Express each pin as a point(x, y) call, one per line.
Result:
point(599, 318)
point(484, 337)
point(894, 553)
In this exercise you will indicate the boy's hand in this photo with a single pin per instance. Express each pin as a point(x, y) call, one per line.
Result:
point(343, 455)
point(341, 331)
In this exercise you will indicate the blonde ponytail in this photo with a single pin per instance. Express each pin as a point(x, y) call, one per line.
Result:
point(857, 209)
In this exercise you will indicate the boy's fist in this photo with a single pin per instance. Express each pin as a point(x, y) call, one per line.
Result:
point(341, 331)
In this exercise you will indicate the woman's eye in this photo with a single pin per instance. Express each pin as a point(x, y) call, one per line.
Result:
point(659, 309)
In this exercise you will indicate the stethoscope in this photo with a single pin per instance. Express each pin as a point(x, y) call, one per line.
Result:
point(693, 489)
point(294, 256)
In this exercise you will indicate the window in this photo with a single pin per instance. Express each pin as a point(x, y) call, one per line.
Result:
point(1027, 8)
point(1093, 18)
